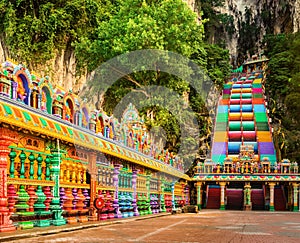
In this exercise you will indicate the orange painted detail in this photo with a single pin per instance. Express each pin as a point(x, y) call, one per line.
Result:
point(35, 119)
point(51, 125)
point(17, 112)
point(64, 130)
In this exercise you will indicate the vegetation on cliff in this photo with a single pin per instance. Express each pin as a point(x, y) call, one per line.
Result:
point(283, 90)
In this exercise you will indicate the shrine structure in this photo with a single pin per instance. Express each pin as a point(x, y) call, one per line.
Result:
point(243, 171)
point(62, 162)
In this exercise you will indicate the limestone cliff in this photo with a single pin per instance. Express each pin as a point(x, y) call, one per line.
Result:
point(250, 21)
point(61, 69)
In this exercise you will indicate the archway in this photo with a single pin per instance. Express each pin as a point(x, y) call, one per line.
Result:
point(46, 102)
point(85, 117)
point(69, 110)
point(23, 91)
point(100, 124)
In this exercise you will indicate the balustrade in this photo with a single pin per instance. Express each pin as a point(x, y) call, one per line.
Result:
point(105, 176)
point(29, 170)
point(154, 184)
point(141, 183)
point(125, 179)
point(27, 164)
point(73, 172)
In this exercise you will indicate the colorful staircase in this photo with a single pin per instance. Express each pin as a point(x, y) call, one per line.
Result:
point(257, 199)
point(279, 199)
point(213, 197)
point(242, 120)
point(234, 199)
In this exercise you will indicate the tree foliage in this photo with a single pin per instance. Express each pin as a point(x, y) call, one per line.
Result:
point(161, 24)
point(34, 30)
point(283, 88)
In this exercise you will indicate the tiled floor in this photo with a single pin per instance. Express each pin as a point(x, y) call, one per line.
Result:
point(206, 226)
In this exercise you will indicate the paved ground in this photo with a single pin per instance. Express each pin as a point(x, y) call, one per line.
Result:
point(206, 226)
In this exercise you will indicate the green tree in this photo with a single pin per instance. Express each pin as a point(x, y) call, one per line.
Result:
point(218, 66)
point(283, 88)
point(34, 30)
point(155, 24)
point(160, 24)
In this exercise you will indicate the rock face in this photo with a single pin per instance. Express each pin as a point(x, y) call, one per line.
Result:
point(191, 4)
point(252, 19)
point(246, 22)
point(61, 69)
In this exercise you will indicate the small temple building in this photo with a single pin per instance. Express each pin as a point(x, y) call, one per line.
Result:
point(243, 172)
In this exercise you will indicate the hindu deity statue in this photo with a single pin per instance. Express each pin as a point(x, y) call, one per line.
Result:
point(99, 128)
point(68, 112)
point(21, 94)
point(43, 101)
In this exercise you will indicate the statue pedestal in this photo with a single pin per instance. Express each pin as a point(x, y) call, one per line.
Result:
point(247, 207)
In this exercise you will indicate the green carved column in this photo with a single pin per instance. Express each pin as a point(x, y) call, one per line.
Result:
point(31, 158)
point(55, 204)
point(22, 207)
point(22, 157)
point(39, 169)
point(295, 203)
point(39, 206)
point(162, 196)
point(149, 211)
point(40, 209)
point(173, 196)
point(12, 156)
point(47, 162)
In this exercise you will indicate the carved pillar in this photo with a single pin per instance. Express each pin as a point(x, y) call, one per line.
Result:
point(247, 196)
point(116, 185)
point(14, 90)
point(55, 204)
point(7, 137)
point(93, 186)
point(222, 199)
point(173, 196)
point(79, 119)
point(148, 194)
point(162, 196)
point(199, 194)
point(39, 99)
point(271, 186)
point(295, 191)
point(134, 201)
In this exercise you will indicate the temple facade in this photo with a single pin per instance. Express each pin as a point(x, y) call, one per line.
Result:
point(243, 172)
point(64, 162)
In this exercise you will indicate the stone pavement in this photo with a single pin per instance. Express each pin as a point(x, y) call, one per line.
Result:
point(37, 231)
point(205, 226)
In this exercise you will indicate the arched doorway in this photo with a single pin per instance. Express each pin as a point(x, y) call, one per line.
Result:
point(46, 100)
point(23, 91)
point(69, 110)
